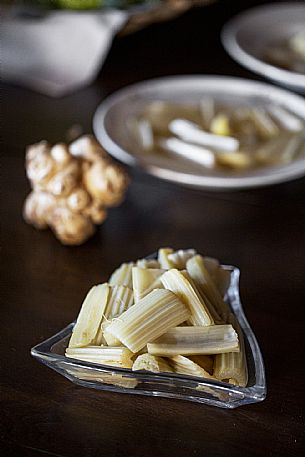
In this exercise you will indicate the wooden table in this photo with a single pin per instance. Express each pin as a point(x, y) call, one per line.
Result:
point(262, 231)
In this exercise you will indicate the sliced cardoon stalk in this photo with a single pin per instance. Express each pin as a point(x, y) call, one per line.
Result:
point(144, 280)
point(233, 365)
point(201, 277)
point(122, 275)
point(286, 119)
point(220, 276)
point(192, 152)
point(152, 363)
point(148, 263)
point(204, 361)
point(152, 316)
point(120, 298)
point(114, 356)
point(191, 132)
point(180, 257)
point(263, 122)
point(207, 110)
point(145, 133)
point(185, 365)
point(90, 316)
point(214, 339)
point(295, 146)
point(178, 282)
point(163, 258)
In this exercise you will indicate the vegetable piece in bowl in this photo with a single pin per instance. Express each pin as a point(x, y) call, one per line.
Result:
point(168, 315)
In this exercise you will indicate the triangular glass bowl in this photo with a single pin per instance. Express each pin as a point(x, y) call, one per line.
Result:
point(104, 377)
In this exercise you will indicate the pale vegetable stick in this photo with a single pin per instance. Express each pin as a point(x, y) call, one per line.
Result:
point(189, 151)
point(268, 152)
point(286, 119)
point(212, 309)
point(214, 339)
point(175, 281)
point(152, 363)
point(120, 298)
point(220, 276)
point(164, 261)
point(207, 110)
point(191, 132)
point(152, 316)
point(233, 364)
point(180, 257)
point(122, 275)
point(144, 280)
point(199, 292)
point(114, 356)
point(184, 365)
point(280, 150)
point(292, 149)
point(145, 133)
point(263, 122)
point(200, 275)
point(107, 337)
point(90, 316)
point(148, 263)
point(204, 361)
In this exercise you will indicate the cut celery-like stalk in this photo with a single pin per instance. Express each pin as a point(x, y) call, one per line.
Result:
point(164, 261)
point(152, 316)
point(144, 280)
point(233, 365)
point(114, 356)
point(120, 298)
point(152, 363)
point(214, 339)
point(148, 263)
point(200, 275)
point(185, 365)
point(189, 131)
point(90, 316)
point(122, 275)
point(180, 257)
point(286, 119)
point(176, 281)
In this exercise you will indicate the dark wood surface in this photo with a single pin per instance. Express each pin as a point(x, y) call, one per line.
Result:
point(261, 231)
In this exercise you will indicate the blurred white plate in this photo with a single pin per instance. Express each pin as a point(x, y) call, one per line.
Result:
point(247, 36)
point(112, 128)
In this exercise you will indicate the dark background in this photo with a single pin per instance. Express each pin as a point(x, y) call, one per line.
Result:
point(261, 231)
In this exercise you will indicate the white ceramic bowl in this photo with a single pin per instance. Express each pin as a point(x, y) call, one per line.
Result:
point(111, 127)
point(246, 37)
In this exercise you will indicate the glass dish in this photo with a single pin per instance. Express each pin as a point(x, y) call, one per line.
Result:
point(102, 377)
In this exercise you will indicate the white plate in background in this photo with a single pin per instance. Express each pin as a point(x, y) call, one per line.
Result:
point(111, 128)
point(247, 36)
